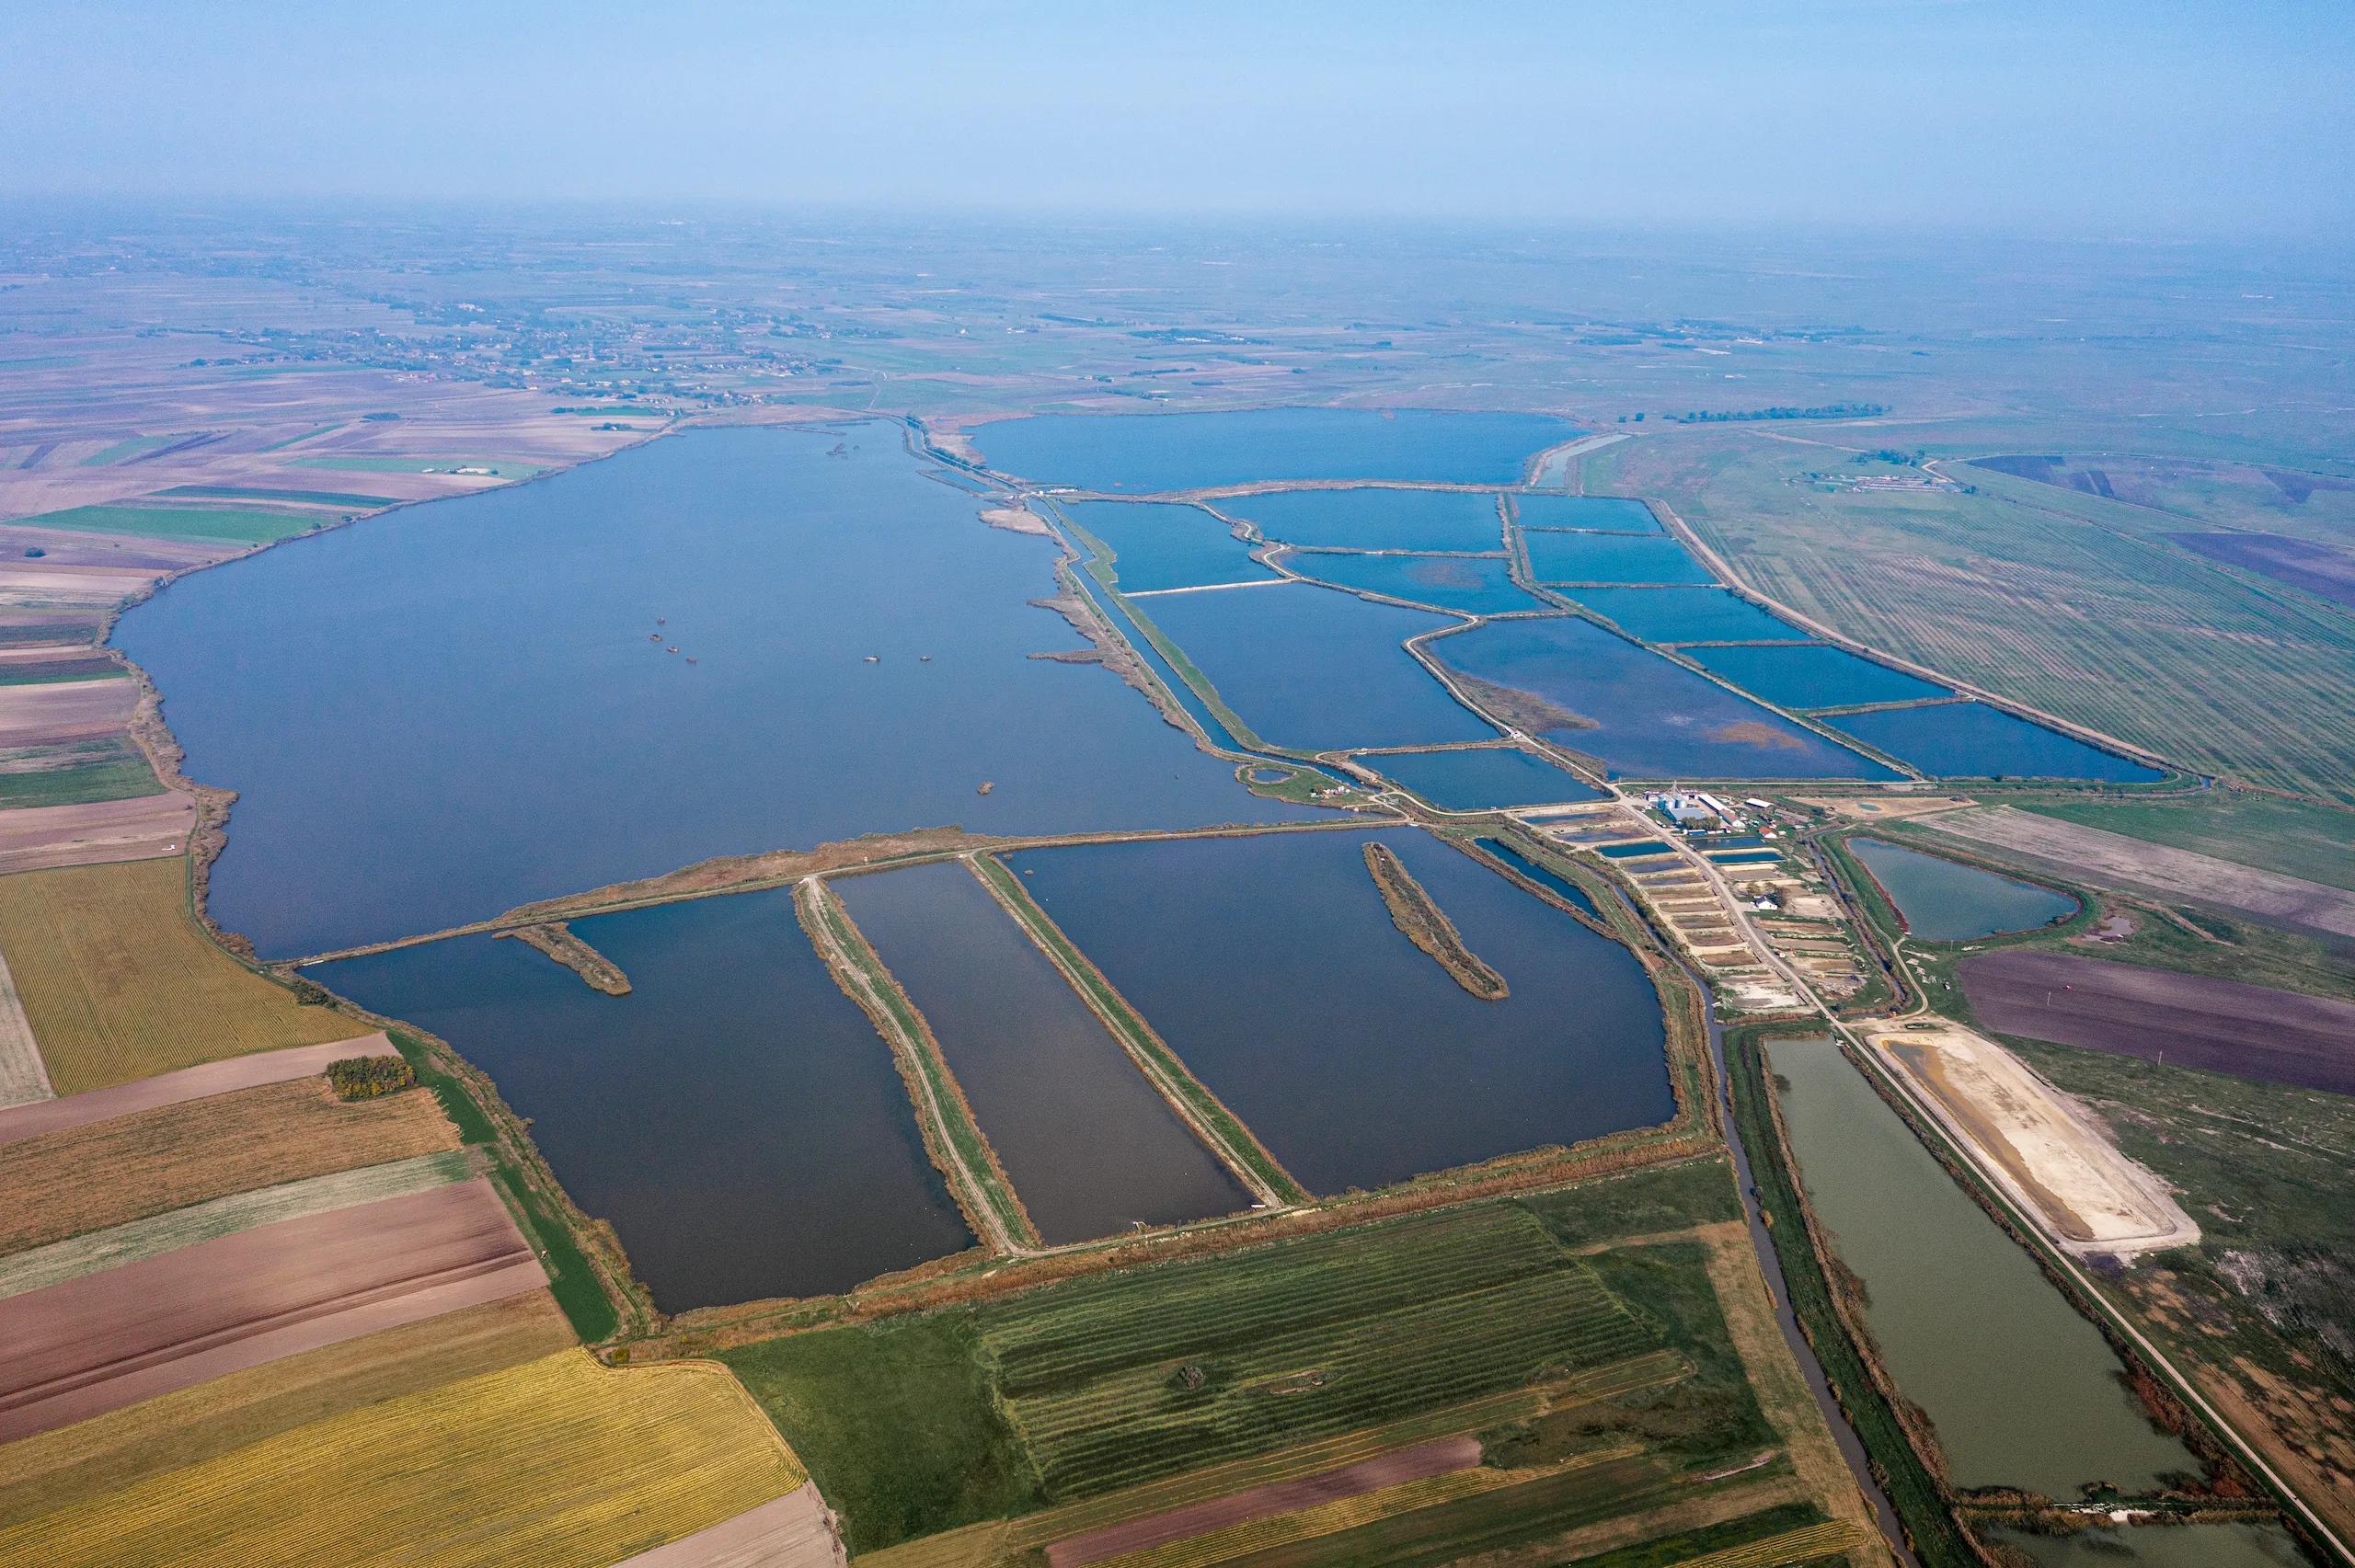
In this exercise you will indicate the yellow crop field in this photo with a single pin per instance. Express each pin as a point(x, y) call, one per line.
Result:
point(557, 1462)
point(90, 1458)
point(120, 983)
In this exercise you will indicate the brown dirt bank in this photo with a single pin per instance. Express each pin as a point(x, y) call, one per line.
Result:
point(2190, 1020)
point(558, 941)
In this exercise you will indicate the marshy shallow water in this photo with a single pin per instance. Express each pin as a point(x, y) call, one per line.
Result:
point(1271, 966)
point(736, 1117)
point(434, 715)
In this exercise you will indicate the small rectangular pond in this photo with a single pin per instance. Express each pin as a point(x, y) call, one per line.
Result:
point(1971, 740)
point(1813, 675)
point(1373, 519)
point(1157, 546)
point(1143, 455)
point(1686, 614)
point(735, 1117)
point(1091, 1146)
point(2022, 1391)
point(1607, 514)
point(1945, 901)
point(1477, 585)
point(1271, 966)
point(1610, 558)
point(1314, 668)
point(1645, 717)
point(1477, 780)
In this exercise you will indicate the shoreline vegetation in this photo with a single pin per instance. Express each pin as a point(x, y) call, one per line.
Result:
point(1414, 912)
point(558, 941)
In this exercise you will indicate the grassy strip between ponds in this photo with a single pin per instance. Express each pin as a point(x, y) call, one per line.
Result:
point(1936, 1536)
point(951, 1135)
point(1416, 913)
point(1219, 1126)
point(1174, 656)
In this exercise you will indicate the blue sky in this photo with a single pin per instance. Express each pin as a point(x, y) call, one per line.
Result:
point(2092, 119)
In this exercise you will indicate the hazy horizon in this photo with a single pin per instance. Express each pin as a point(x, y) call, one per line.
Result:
point(2103, 122)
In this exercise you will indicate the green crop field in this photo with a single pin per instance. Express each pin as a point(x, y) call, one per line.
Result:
point(2062, 601)
point(238, 525)
point(289, 497)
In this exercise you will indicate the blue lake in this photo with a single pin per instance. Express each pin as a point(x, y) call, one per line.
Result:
point(735, 1116)
point(1685, 614)
point(1644, 716)
point(1313, 669)
point(1611, 514)
point(1816, 675)
point(1366, 519)
point(436, 715)
point(1271, 966)
point(1611, 558)
point(1945, 901)
point(1088, 1143)
point(1491, 776)
point(1973, 740)
point(1147, 454)
point(1477, 584)
point(1157, 544)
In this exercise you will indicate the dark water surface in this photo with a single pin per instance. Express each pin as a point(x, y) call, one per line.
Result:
point(1945, 901)
point(1544, 876)
point(1686, 614)
point(1475, 585)
point(1972, 741)
point(1366, 519)
point(1610, 514)
point(1089, 1144)
point(1610, 558)
point(1651, 718)
point(1157, 546)
point(437, 714)
point(1314, 669)
point(1493, 775)
point(1271, 966)
point(735, 1116)
point(2022, 1391)
point(1147, 454)
point(1813, 675)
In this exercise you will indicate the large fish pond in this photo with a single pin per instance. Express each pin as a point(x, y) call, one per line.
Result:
point(439, 714)
point(735, 1116)
point(1945, 901)
point(1146, 454)
point(1271, 966)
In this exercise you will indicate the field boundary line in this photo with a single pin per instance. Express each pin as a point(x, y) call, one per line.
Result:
point(23, 1076)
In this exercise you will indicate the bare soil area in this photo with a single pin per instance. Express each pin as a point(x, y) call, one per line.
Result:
point(99, 1343)
point(2053, 1156)
point(42, 837)
point(796, 1530)
point(2159, 1015)
point(66, 710)
point(188, 1084)
point(2113, 859)
point(64, 1183)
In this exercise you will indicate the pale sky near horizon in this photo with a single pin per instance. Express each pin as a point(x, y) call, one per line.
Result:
point(2100, 119)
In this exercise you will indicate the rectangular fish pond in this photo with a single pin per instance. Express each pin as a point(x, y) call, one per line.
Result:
point(1813, 675)
point(1477, 585)
point(1367, 518)
point(1091, 1146)
point(1158, 545)
point(1604, 514)
point(1971, 740)
point(1945, 901)
point(735, 1116)
point(1686, 614)
point(1272, 967)
point(1591, 691)
point(1610, 558)
point(1490, 776)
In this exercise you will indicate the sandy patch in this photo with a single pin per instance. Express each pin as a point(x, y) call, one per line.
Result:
point(1881, 807)
point(44, 836)
point(1016, 519)
point(103, 1342)
point(2052, 1156)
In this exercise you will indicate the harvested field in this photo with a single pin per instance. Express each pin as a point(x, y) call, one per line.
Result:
point(2199, 1021)
point(96, 832)
point(81, 1179)
point(560, 1463)
point(94, 1459)
point(97, 1251)
point(2053, 1156)
point(22, 1077)
point(43, 712)
point(793, 1531)
point(120, 983)
point(2320, 570)
point(188, 1084)
point(1438, 1457)
point(108, 1340)
point(2115, 859)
